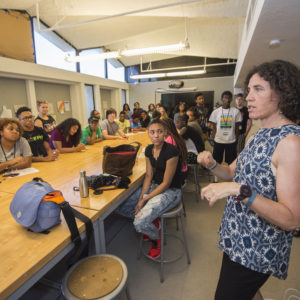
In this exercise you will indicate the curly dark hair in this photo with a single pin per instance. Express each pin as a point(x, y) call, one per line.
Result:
point(6, 121)
point(284, 79)
point(65, 126)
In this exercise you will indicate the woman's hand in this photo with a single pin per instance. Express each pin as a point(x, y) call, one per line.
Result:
point(139, 206)
point(80, 147)
point(205, 159)
point(216, 191)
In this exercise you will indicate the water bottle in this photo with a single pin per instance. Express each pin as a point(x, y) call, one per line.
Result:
point(83, 185)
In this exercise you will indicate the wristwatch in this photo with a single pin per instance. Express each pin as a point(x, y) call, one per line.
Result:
point(245, 192)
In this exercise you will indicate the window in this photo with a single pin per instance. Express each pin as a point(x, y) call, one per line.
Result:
point(51, 50)
point(95, 67)
point(89, 97)
point(123, 97)
point(115, 70)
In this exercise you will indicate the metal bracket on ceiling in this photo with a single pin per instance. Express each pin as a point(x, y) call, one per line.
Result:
point(55, 27)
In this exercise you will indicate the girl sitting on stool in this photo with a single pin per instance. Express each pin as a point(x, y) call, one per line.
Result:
point(161, 189)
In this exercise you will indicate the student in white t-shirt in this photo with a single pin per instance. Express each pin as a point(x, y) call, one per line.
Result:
point(225, 129)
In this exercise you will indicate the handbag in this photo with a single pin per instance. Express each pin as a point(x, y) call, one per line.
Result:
point(120, 160)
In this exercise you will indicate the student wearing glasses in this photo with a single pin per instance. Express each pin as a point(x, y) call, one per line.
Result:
point(15, 151)
point(36, 137)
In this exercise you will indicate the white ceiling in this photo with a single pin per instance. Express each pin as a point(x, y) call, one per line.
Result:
point(213, 27)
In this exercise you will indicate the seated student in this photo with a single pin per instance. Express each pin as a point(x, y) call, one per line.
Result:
point(144, 120)
point(151, 109)
point(193, 139)
point(36, 137)
point(44, 120)
point(156, 115)
point(193, 115)
point(95, 113)
point(66, 137)
point(92, 133)
point(161, 188)
point(124, 124)
point(135, 124)
point(180, 110)
point(110, 127)
point(15, 151)
point(137, 109)
point(127, 111)
point(163, 112)
point(172, 137)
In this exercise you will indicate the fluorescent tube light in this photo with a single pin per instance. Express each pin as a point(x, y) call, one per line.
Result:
point(104, 55)
point(132, 52)
point(145, 76)
point(186, 73)
point(170, 74)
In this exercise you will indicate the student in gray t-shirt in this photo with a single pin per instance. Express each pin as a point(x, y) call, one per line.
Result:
point(109, 127)
point(15, 152)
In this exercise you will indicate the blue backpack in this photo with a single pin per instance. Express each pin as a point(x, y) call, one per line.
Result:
point(37, 206)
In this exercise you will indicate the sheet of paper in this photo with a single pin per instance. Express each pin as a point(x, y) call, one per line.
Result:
point(22, 172)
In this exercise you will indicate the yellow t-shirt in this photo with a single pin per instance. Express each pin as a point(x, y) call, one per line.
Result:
point(124, 125)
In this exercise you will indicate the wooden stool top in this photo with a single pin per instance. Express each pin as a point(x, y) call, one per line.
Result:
point(95, 277)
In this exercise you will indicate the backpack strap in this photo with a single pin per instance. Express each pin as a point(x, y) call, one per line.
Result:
point(70, 214)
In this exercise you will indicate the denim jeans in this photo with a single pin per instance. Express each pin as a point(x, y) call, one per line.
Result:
point(153, 209)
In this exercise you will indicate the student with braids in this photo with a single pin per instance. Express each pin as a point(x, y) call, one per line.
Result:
point(176, 140)
point(161, 188)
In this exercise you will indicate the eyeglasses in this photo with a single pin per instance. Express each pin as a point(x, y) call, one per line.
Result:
point(27, 118)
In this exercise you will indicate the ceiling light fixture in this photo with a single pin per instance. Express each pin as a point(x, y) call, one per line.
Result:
point(130, 52)
point(104, 55)
point(170, 74)
point(146, 76)
point(186, 73)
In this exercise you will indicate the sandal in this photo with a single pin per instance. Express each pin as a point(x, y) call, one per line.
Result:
point(297, 232)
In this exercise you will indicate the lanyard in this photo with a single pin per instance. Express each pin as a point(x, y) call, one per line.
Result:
point(5, 153)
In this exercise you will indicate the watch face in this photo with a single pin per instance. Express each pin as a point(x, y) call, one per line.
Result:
point(245, 192)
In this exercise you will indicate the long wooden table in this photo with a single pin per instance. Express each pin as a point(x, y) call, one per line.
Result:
point(27, 256)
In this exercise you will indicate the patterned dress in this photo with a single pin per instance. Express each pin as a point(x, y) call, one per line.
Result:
point(244, 236)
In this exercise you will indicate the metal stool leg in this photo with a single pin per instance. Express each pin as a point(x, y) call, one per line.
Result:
point(162, 251)
point(127, 292)
point(184, 239)
point(195, 169)
point(140, 247)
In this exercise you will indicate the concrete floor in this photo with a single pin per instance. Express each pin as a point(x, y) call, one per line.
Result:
point(196, 281)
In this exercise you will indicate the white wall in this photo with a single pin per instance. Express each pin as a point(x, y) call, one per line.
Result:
point(145, 92)
point(18, 79)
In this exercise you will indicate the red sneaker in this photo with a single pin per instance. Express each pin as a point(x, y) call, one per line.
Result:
point(154, 251)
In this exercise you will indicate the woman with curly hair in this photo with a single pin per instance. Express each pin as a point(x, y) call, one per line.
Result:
point(66, 137)
point(262, 186)
point(15, 152)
